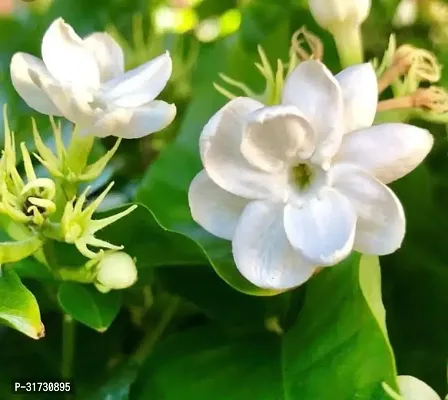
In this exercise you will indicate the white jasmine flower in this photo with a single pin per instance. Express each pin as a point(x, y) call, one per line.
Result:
point(84, 81)
point(330, 13)
point(302, 184)
point(412, 388)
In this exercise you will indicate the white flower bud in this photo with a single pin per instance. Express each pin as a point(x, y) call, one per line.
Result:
point(406, 13)
point(115, 271)
point(343, 19)
point(329, 13)
point(412, 388)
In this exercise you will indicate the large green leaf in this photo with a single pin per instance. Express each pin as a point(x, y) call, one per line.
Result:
point(18, 307)
point(165, 186)
point(220, 302)
point(85, 304)
point(118, 385)
point(337, 349)
point(416, 276)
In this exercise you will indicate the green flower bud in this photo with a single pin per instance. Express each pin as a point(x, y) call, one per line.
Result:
point(115, 271)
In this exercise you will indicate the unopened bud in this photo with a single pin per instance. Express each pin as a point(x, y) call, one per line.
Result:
point(413, 388)
point(330, 13)
point(406, 13)
point(115, 271)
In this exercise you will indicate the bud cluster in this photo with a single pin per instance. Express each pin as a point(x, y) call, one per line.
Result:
point(38, 207)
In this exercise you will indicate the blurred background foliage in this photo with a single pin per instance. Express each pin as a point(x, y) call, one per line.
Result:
point(206, 37)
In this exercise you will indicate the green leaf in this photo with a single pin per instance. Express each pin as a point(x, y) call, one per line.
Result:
point(17, 250)
point(143, 238)
point(118, 384)
point(18, 306)
point(31, 268)
point(220, 302)
point(416, 276)
point(164, 188)
point(87, 305)
point(337, 349)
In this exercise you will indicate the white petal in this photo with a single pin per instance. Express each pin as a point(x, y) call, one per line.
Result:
point(314, 90)
point(323, 230)
point(276, 136)
point(412, 388)
point(381, 222)
point(224, 162)
point(27, 74)
point(216, 210)
point(134, 123)
point(360, 92)
point(140, 85)
point(66, 57)
point(388, 151)
point(75, 106)
point(262, 251)
point(243, 106)
point(108, 55)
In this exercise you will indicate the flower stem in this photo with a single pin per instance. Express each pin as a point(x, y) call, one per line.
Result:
point(349, 45)
point(76, 274)
point(68, 346)
point(154, 335)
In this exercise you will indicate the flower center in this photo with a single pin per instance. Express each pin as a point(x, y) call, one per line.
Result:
point(302, 176)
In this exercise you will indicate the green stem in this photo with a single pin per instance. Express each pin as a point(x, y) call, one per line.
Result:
point(76, 274)
point(349, 44)
point(154, 335)
point(68, 346)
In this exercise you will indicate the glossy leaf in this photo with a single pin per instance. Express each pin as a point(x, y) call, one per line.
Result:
point(337, 349)
point(416, 276)
point(85, 304)
point(152, 245)
point(118, 385)
point(17, 250)
point(18, 306)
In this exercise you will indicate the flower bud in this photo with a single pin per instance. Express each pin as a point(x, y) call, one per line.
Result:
point(115, 271)
point(343, 19)
point(413, 388)
point(406, 13)
point(330, 13)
